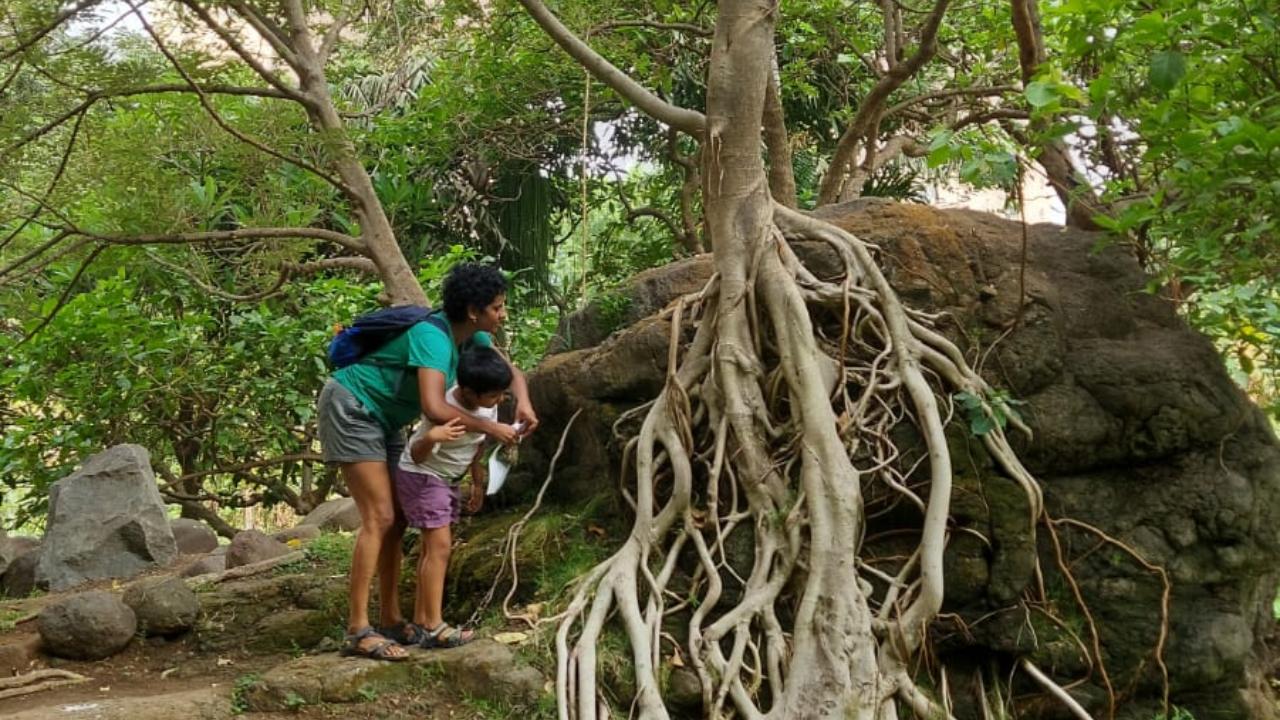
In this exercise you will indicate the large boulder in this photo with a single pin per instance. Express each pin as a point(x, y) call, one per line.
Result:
point(164, 605)
point(87, 626)
point(336, 514)
point(193, 537)
point(105, 520)
point(12, 548)
point(1137, 430)
point(251, 546)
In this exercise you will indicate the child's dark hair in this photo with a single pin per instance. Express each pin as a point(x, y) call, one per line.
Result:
point(471, 285)
point(482, 370)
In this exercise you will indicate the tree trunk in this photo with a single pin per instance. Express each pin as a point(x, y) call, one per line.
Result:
point(401, 285)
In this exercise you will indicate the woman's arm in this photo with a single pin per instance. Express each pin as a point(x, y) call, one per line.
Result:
point(524, 407)
point(431, 396)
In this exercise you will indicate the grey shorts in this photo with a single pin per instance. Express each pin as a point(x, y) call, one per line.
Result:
point(348, 433)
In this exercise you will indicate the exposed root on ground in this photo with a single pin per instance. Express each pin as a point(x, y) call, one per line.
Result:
point(38, 681)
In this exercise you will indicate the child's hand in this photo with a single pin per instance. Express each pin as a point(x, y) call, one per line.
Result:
point(447, 432)
point(476, 501)
point(503, 433)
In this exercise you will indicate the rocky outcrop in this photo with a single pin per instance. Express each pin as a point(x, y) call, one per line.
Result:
point(105, 520)
point(1138, 432)
point(87, 626)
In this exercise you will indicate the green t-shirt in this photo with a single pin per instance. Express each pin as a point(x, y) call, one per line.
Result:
point(386, 389)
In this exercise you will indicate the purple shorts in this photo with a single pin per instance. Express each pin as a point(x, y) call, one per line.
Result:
point(427, 501)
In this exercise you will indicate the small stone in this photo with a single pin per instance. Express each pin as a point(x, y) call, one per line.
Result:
point(163, 605)
point(337, 514)
point(251, 546)
point(88, 626)
point(20, 579)
point(684, 691)
point(193, 537)
point(206, 565)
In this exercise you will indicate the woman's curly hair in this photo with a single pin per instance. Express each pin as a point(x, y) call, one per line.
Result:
point(471, 285)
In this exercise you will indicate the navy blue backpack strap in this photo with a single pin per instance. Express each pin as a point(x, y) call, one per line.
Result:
point(369, 332)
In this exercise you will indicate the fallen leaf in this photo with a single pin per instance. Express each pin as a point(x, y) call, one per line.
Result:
point(223, 662)
point(510, 638)
point(596, 530)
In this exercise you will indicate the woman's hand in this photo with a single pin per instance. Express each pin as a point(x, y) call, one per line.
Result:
point(447, 432)
point(526, 415)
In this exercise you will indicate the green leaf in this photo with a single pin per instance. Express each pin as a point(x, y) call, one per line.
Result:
point(1167, 69)
point(1041, 94)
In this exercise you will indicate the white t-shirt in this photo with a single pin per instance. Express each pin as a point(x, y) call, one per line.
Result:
point(448, 460)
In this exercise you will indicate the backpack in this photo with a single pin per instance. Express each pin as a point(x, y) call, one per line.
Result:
point(369, 332)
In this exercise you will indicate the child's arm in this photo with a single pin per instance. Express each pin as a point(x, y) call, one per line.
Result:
point(479, 481)
point(436, 434)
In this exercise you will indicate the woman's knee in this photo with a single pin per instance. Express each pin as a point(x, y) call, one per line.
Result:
point(379, 518)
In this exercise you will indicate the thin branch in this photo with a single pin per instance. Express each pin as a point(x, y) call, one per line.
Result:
point(342, 239)
point(867, 120)
point(691, 28)
point(952, 92)
point(241, 467)
point(333, 34)
point(358, 264)
point(66, 294)
point(213, 113)
point(53, 183)
point(239, 49)
point(690, 121)
point(96, 95)
point(57, 21)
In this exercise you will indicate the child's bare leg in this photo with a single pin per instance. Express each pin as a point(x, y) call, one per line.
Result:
point(432, 565)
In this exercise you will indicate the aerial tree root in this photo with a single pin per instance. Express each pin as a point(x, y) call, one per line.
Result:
point(767, 422)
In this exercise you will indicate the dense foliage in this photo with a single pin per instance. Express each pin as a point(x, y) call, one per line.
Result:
point(471, 127)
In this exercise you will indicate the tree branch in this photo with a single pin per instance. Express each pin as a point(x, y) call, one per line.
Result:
point(690, 121)
point(332, 35)
point(782, 181)
point(213, 113)
point(691, 28)
point(239, 49)
point(66, 294)
point(936, 95)
point(867, 119)
point(54, 24)
point(97, 95)
point(53, 183)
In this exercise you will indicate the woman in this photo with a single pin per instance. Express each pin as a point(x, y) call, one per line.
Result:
point(362, 412)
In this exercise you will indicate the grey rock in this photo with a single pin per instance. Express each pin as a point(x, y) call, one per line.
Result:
point(251, 546)
point(684, 691)
point(205, 565)
point(301, 533)
point(105, 520)
point(14, 547)
point(20, 579)
point(193, 537)
point(336, 514)
point(17, 654)
point(482, 669)
point(87, 626)
point(163, 605)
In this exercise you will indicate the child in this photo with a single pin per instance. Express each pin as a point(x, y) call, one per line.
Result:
point(431, 466)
